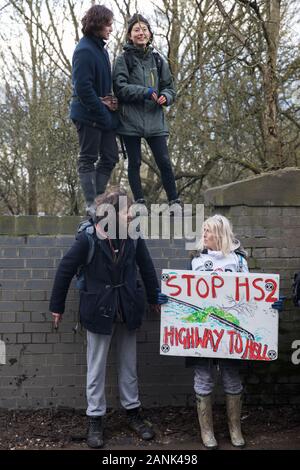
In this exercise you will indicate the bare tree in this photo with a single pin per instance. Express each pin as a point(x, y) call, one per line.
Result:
point(235, 65)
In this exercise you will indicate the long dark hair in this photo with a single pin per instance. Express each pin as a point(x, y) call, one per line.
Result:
point(95, 18)
point(137, 18)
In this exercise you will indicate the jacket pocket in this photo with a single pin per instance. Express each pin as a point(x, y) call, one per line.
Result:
point(94, 308)
point(136, 305)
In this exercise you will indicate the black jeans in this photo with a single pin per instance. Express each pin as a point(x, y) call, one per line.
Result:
point(98, 149)
point(159, 148)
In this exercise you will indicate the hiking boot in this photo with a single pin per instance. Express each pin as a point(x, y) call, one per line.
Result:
point(95, 432)
point(88, 185)
point(91, 211)
point(140, 426)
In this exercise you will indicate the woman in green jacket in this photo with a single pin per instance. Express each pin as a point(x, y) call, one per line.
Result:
point(143, 84)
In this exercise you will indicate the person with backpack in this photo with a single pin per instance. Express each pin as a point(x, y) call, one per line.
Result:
point(143, 84)
point(93, 109)
point(219, 251)
point(112, 301)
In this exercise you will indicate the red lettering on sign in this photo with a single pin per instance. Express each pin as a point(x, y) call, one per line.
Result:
point(188, 277)
point(176, 286)
point(255, 281)
point(238, 285)
point(205, 294)
point(216, 285)
point(270, 297)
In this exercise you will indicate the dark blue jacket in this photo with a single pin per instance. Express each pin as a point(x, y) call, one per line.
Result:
point(91, 78)
point(111, 286)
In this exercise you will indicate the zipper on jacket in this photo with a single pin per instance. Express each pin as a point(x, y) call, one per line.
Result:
point(152, 79)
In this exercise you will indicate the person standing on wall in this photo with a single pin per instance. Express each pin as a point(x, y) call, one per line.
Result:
point(93, 107)
point(143, 84)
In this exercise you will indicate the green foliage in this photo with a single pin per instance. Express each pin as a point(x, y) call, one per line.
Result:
point(202, 316)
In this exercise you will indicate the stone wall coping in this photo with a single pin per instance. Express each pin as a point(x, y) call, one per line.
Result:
point(278, 188)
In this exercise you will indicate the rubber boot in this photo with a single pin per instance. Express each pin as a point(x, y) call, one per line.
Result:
point(101, 182)
point(204, 408)
point(88, 184)
point(95, 432)
point(233, 406)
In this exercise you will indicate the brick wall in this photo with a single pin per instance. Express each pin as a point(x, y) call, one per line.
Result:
point(46, 369)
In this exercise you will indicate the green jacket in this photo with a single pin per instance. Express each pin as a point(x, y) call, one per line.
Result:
point(139, 115)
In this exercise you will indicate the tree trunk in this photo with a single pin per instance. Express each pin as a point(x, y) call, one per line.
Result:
point(270, 121)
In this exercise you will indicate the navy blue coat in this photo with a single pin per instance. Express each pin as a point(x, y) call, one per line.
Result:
point(111, 286)
point(91, 79)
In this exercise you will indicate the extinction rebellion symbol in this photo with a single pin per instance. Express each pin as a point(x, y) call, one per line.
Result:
point(272, 354)
point(165, 348)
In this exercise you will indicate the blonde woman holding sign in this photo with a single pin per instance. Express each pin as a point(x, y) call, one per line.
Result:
point(219, 251)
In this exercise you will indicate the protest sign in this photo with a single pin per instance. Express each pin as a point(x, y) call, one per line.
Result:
point(227, 315)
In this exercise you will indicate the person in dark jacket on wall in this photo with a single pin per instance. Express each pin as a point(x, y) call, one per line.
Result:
point(143, 84)
point(92, 107)
point(111, 302)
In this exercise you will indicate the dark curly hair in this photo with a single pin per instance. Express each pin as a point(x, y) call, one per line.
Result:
point(112, 197)
point(95, 18)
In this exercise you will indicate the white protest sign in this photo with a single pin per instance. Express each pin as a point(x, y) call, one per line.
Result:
point(226, 315)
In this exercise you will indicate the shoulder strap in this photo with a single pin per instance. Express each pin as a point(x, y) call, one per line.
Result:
point(240, 260)
point(130, 62)
point(158, 61)
point(88, 228)
point(91, 240)
point(240, 263)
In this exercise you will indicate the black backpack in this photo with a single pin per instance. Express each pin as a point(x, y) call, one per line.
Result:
point(296, 289)
point(129, 59)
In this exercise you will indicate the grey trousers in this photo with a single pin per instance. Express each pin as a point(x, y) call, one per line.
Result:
point(97, 351)
point(204, 376)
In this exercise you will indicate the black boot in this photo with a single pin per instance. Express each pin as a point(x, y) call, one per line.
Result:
point(101, 182)
point(137, 424)
point(95, 432)
point(88, 184)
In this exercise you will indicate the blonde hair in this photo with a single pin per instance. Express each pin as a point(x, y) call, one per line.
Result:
point(222, 230)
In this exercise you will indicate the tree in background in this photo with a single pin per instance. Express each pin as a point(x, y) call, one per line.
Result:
point(235, 64)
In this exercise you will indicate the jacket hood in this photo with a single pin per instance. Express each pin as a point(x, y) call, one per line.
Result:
point(236, 247)
point(138, 50)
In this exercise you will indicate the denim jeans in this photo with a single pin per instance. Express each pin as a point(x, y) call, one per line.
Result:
point(159, 148)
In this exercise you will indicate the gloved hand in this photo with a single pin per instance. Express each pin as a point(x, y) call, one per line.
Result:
point(160, 297)
point(155, 309)
point(151, 94)
point(162, 100)
point(278, 305)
